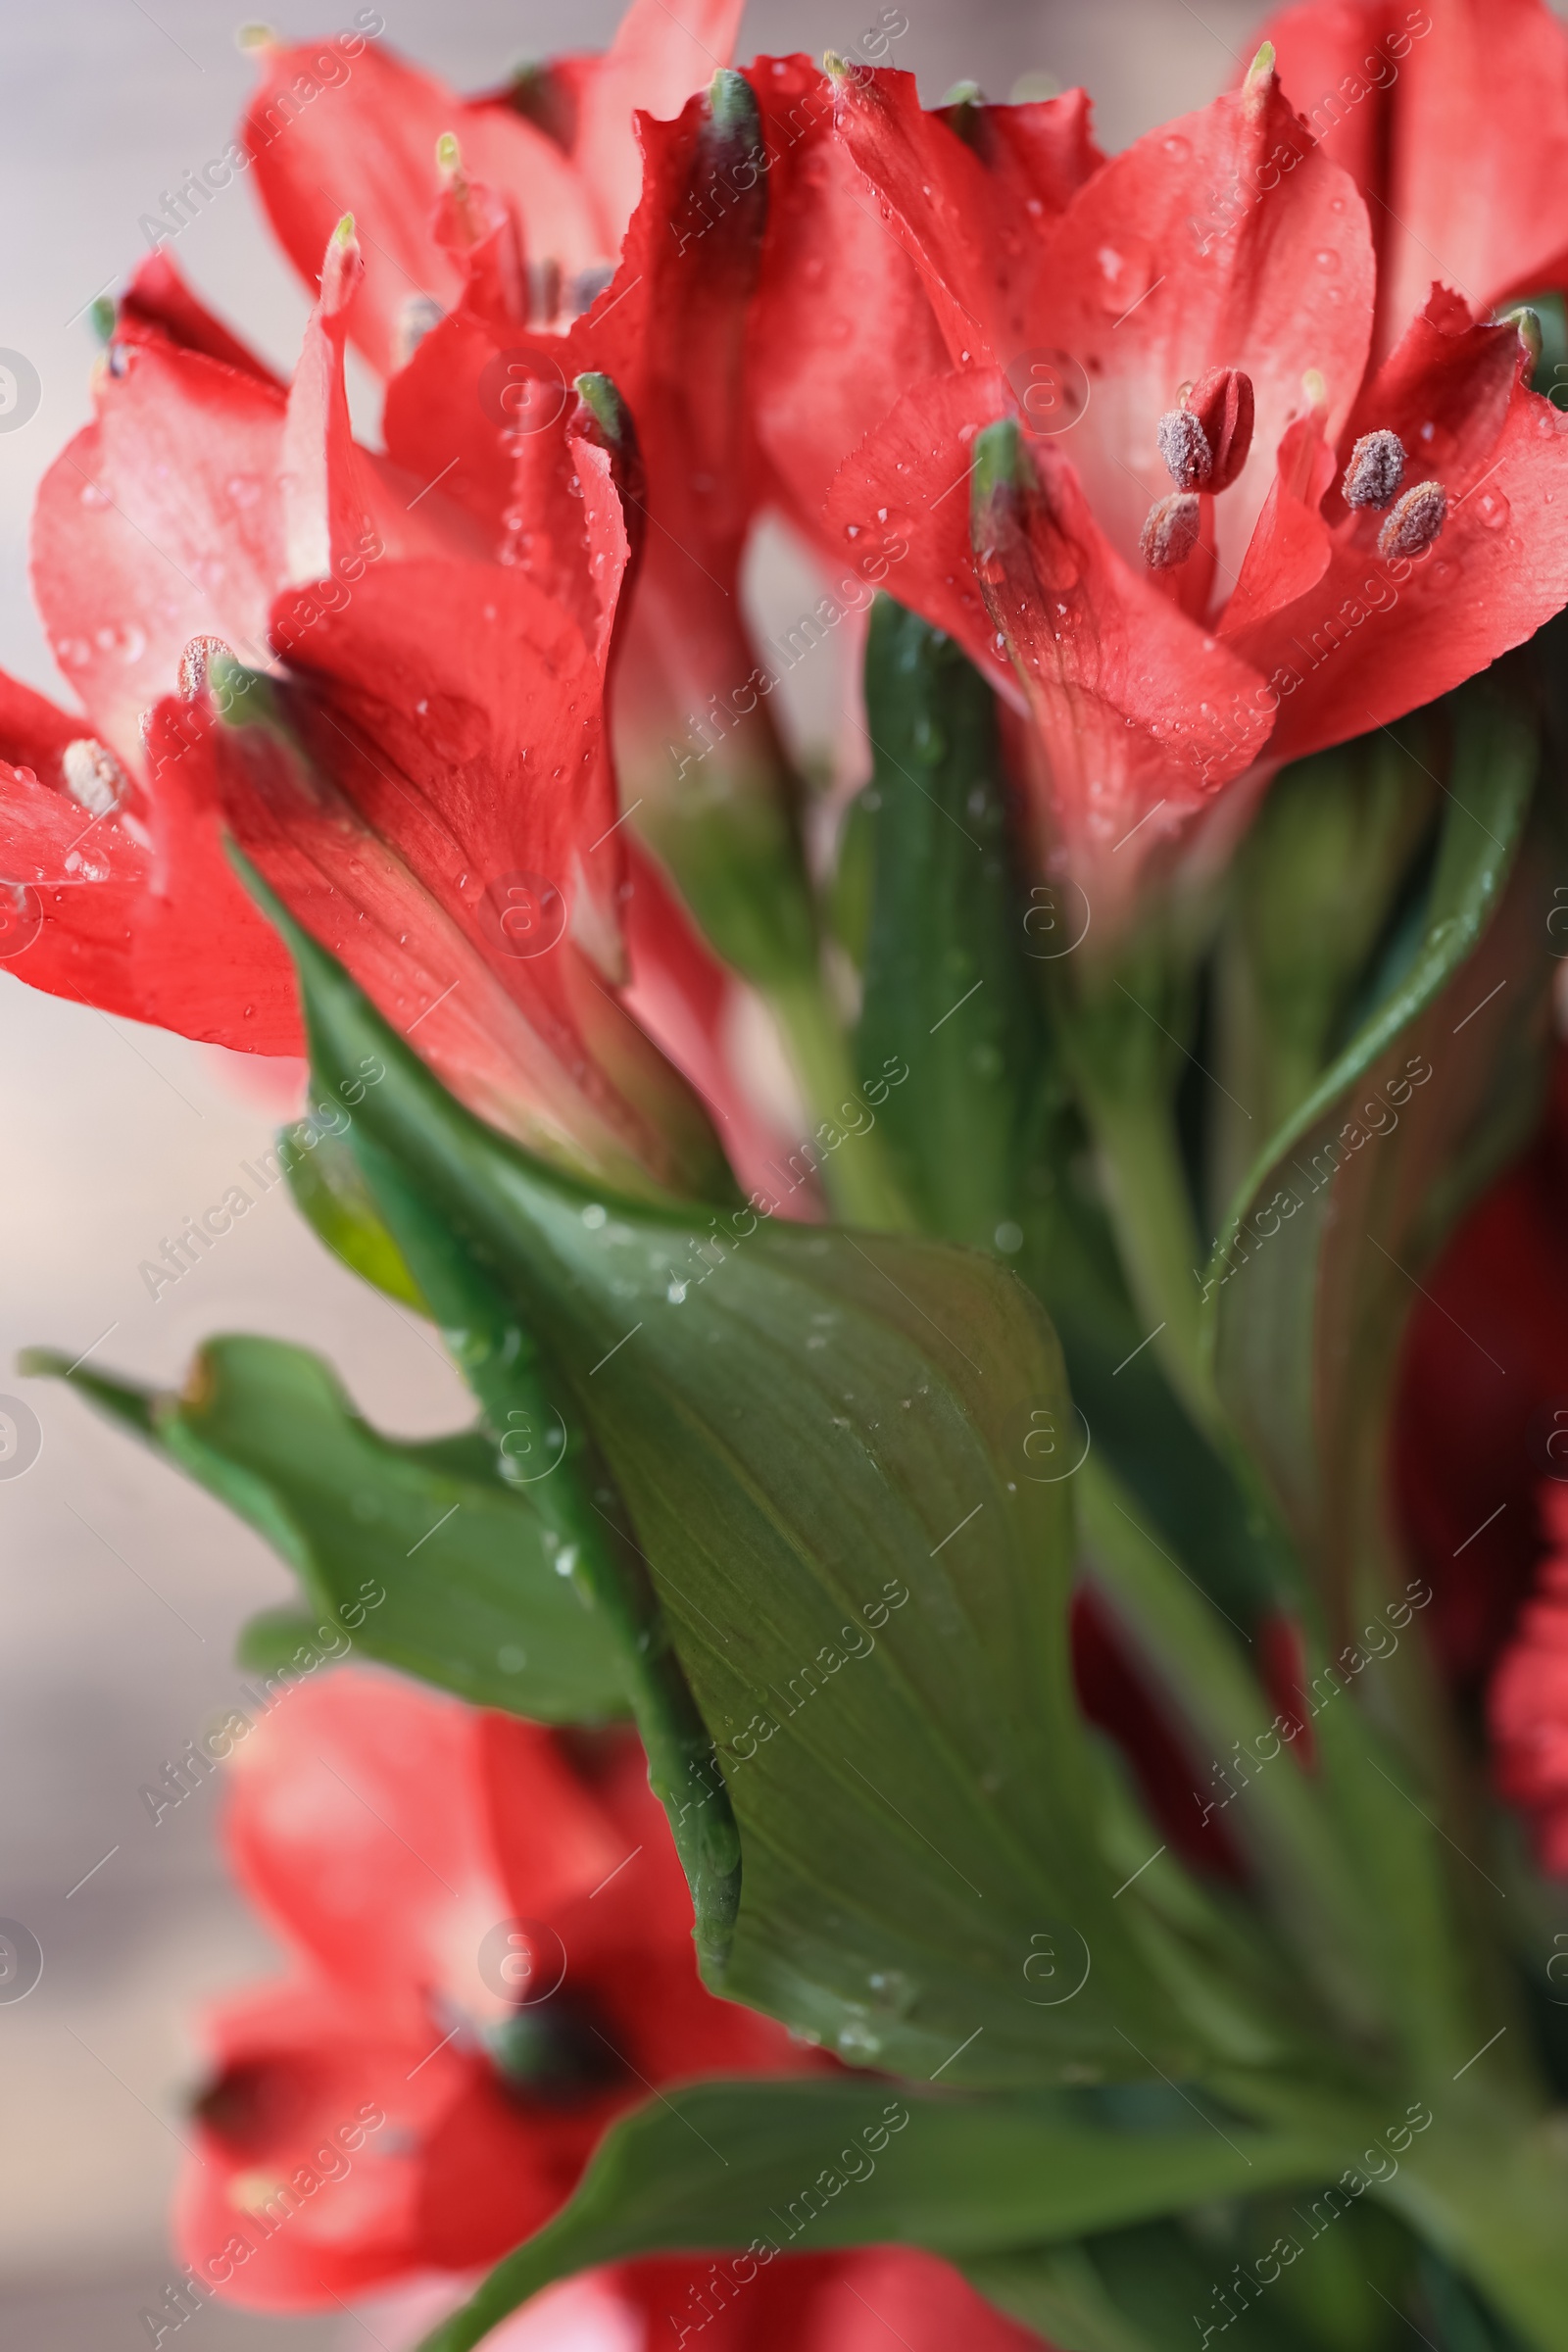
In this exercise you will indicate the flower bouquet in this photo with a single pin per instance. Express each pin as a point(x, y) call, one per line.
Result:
point(972, 1747)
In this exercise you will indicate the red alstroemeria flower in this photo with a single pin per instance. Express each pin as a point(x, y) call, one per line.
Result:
point(1168, 595)
point(1527, 1701)
point(483, 323)
point(859, 2301)
point(491, 1940)
point(1452, 119)
point(439, 781)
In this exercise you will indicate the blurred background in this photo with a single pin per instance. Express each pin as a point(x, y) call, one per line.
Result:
point(121, 1588)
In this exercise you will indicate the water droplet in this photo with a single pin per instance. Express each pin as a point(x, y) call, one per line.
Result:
point(1327, 260)
point(856, 2040)
point(1177, 148)
point(1492, 508)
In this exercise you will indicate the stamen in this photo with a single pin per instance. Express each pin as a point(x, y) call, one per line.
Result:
point(1184, 446)
point(94, 777)
point(1415, 521)
point(1170, 533)
point(1376, 470)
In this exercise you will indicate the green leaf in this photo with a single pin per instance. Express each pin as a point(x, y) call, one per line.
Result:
point(804, 2166)
point(1264, 2274)
point(947, 990)
point(866, 1578)
point(1320, 1258)
point(470, 1594)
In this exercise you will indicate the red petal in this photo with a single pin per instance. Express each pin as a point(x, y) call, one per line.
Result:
point(899, 509)
point(341, 506)
point(1453, 121)
point(138, 912)
point(439, 680)
point(360, 1823)
point(1291, 547)
point(304, 2073)
point(158, 525)
point(969, 216)
point(841, 322)
point(159, 303)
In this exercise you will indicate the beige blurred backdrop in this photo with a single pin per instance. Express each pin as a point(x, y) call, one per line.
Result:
point(122, 1589)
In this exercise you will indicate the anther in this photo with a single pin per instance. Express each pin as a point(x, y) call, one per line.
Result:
point(1376, 470)
point(1170, 533)
point(1415, 521)
point(1184, 446)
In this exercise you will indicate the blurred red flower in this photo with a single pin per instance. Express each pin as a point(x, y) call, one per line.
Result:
point(1527, 1703)
point(491, 1957)
point(859, 2301)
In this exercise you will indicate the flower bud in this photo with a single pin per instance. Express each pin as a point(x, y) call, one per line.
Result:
point(1222, 403)
point(1171, 532)
point(1376, 470)
point(1415, 521)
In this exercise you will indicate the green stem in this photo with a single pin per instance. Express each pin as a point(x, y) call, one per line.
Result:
point(860, 1186)
point(1156, 1234)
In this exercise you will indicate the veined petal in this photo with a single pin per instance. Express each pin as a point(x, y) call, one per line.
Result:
point(841, 323)
point(1222, 240)
point(970, 216)
point(157, 524)
point(1453, 121)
